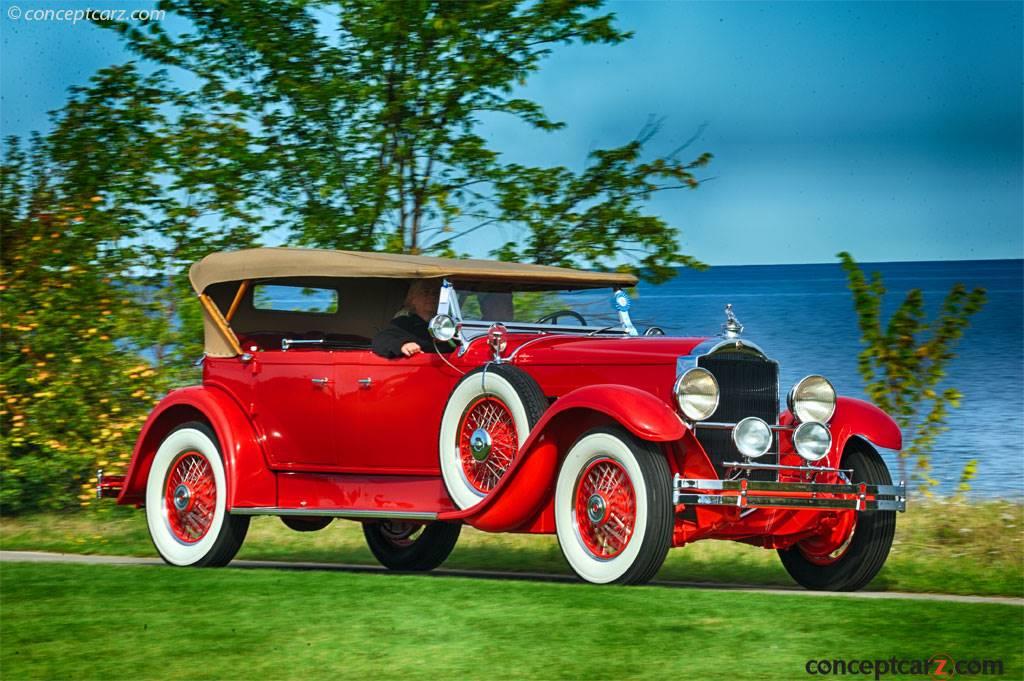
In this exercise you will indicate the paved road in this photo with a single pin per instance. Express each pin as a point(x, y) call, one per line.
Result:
point(43, 557)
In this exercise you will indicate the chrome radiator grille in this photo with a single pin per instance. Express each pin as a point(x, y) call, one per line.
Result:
point(749, 386)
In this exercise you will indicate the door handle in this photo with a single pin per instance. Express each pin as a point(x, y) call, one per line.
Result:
point(365, 382)
point(320, 381)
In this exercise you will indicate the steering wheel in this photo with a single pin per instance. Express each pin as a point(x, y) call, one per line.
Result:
point(552, 316)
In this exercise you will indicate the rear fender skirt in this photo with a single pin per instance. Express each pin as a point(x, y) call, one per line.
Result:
point(853, 418)
point(528, 483)
point(249, 481)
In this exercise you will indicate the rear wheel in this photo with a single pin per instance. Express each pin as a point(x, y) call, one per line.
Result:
point(613, 508)
point(410, 546)
point(186, 501)
point(306, 524)
point(847, 561)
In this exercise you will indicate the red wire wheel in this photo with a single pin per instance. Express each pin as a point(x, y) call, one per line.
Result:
point(605, 508)
point(829, 548)
point(190, 497)
point(488, 442)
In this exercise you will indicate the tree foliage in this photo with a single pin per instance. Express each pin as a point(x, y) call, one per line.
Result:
point(904, 362)
point(100, 219)
point(365, 126)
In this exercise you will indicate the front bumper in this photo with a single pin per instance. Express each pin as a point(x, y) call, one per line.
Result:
point(745, 494)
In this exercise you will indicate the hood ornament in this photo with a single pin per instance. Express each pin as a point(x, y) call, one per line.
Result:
point(732, 327)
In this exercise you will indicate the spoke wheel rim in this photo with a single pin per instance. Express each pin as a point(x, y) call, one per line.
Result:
point(400, 533)
point(604, 508)
point(190, 497)
point(489, 414)
point(830, 548)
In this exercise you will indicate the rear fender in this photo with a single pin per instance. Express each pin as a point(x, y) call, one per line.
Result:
point(529, 482)
point(249, 481)
point(854, 418)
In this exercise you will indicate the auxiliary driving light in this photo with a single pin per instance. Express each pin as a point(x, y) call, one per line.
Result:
point(812, 399)
point(697, 394)
point(753, 437)
point(812, 440)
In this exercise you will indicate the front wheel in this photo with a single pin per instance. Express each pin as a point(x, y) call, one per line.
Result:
point(186, 501)
point(613, 508)
point(850, 562)
point(409, 546)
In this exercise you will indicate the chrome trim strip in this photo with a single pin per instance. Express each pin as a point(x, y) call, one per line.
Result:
point(289, 342)
point(334, 513)
point(718, 425)
point(779, 467)
point(710, 346)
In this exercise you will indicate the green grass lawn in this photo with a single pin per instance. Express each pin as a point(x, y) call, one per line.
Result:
point(140, 622)
point(973, 548)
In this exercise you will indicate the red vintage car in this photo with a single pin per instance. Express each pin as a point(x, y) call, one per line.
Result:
point(524, 416)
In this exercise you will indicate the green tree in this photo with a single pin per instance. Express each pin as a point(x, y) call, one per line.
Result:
point(904, 362)
point(99, 220)
point(364, 120)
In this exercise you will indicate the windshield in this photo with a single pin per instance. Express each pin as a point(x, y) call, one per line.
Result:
point(565, 308)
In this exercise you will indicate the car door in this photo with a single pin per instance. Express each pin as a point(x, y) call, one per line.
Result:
point(389, 412)
point(294, 404)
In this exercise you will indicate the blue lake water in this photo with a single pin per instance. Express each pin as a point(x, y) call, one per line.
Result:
point(802, 315)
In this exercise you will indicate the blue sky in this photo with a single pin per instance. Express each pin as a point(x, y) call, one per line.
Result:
point(893, 131)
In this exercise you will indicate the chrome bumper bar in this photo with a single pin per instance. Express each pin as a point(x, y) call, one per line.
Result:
point(108, 486)
point(765, 494)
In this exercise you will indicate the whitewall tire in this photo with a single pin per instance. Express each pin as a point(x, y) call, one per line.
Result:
point(186, 500)
point(487, 419)
point(613, 508)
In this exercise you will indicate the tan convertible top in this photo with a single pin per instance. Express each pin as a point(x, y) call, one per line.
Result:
point(371, 287)
point(267, 263)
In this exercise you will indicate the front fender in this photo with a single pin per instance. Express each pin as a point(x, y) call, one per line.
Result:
point(249, 481)
point(862, 419)
point(528, 482)
point(857, 418)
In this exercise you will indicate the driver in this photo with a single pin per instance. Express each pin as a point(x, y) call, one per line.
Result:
point(407, 334)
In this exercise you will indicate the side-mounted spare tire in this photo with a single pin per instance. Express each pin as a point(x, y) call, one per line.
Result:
point(487, 419)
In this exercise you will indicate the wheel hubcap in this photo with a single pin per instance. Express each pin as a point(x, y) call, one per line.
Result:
point(182, 497)
point(605, 508)
point(480, 444)
point(487, 442)
point(597, 509)
point(190, 497)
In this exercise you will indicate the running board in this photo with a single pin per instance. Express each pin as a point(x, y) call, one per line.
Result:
point(335, 513)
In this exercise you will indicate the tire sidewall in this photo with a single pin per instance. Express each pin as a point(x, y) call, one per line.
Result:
point(472, 387)
point(583, 562)
point(176, 443)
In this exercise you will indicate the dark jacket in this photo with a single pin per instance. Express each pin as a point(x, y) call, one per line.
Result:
point(408, 328)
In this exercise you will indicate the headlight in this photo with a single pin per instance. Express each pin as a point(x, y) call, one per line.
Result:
point(812, 440)
point(812, 399)
point(753, 437)
point(697, 394)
